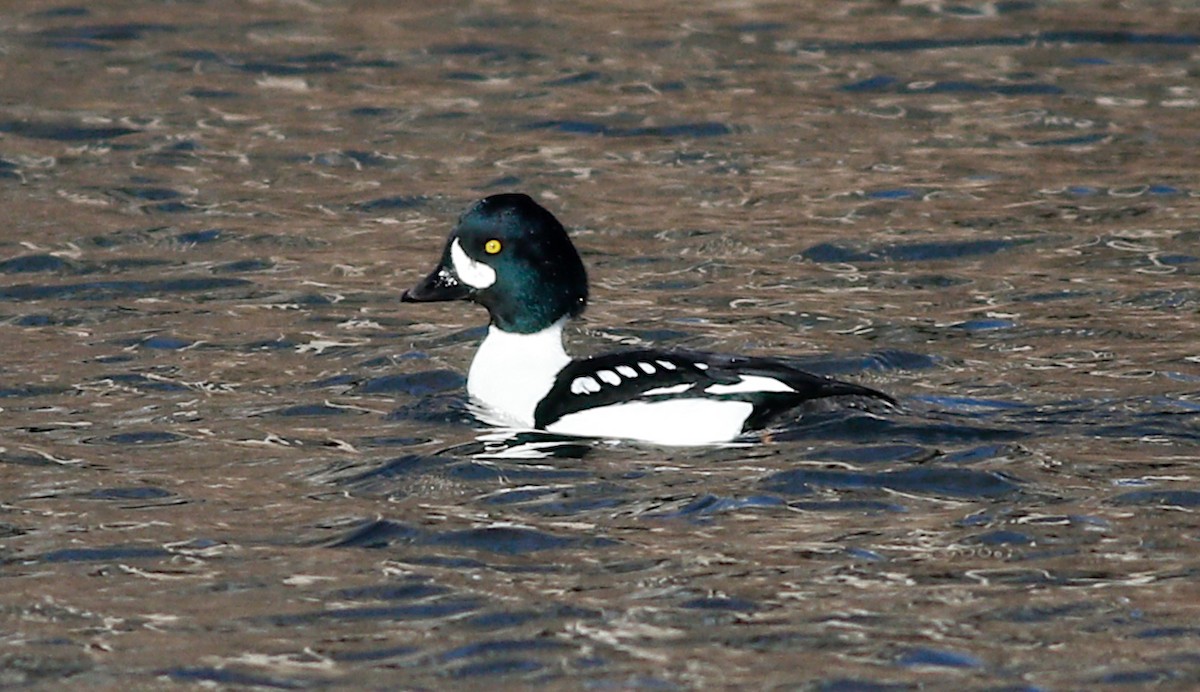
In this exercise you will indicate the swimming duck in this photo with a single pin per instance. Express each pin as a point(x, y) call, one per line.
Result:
point(513, 257)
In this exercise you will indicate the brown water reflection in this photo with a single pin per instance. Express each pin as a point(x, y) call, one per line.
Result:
point(231, 456)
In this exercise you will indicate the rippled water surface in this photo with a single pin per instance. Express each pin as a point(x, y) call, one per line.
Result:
point(231, 457)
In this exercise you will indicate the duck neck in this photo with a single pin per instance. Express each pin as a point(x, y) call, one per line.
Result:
point(512, 372)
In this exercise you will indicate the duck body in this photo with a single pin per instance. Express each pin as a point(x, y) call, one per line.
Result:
point(512, 256)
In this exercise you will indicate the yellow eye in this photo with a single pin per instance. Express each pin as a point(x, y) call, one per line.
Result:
point(492, 246)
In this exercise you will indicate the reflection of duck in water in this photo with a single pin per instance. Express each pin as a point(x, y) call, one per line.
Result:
point(513, 257)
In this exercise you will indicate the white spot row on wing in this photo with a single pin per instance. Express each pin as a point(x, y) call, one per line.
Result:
point(588, 385)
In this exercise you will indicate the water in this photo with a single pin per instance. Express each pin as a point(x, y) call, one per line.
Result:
point(232, 457)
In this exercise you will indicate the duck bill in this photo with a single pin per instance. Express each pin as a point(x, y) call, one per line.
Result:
point(440, 285)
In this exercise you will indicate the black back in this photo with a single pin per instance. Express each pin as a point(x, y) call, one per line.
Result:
point(701, 370)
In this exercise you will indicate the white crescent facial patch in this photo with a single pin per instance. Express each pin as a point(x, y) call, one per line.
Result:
point(474, 274)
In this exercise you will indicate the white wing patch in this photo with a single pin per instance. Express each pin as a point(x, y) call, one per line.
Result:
point(665, 364)
point(609, 376)
point(474, 274)
point(673, 422)
point(627, 371)
point(673, 389)
point(749, 383)
point(646, 368)
point(584, 385)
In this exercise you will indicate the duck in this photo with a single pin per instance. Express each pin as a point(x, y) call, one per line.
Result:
point(510, 255)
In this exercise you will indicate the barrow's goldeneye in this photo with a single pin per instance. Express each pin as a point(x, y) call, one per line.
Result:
point(514, 258)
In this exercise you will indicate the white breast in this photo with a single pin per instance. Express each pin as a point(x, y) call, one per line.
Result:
point(512, 372)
